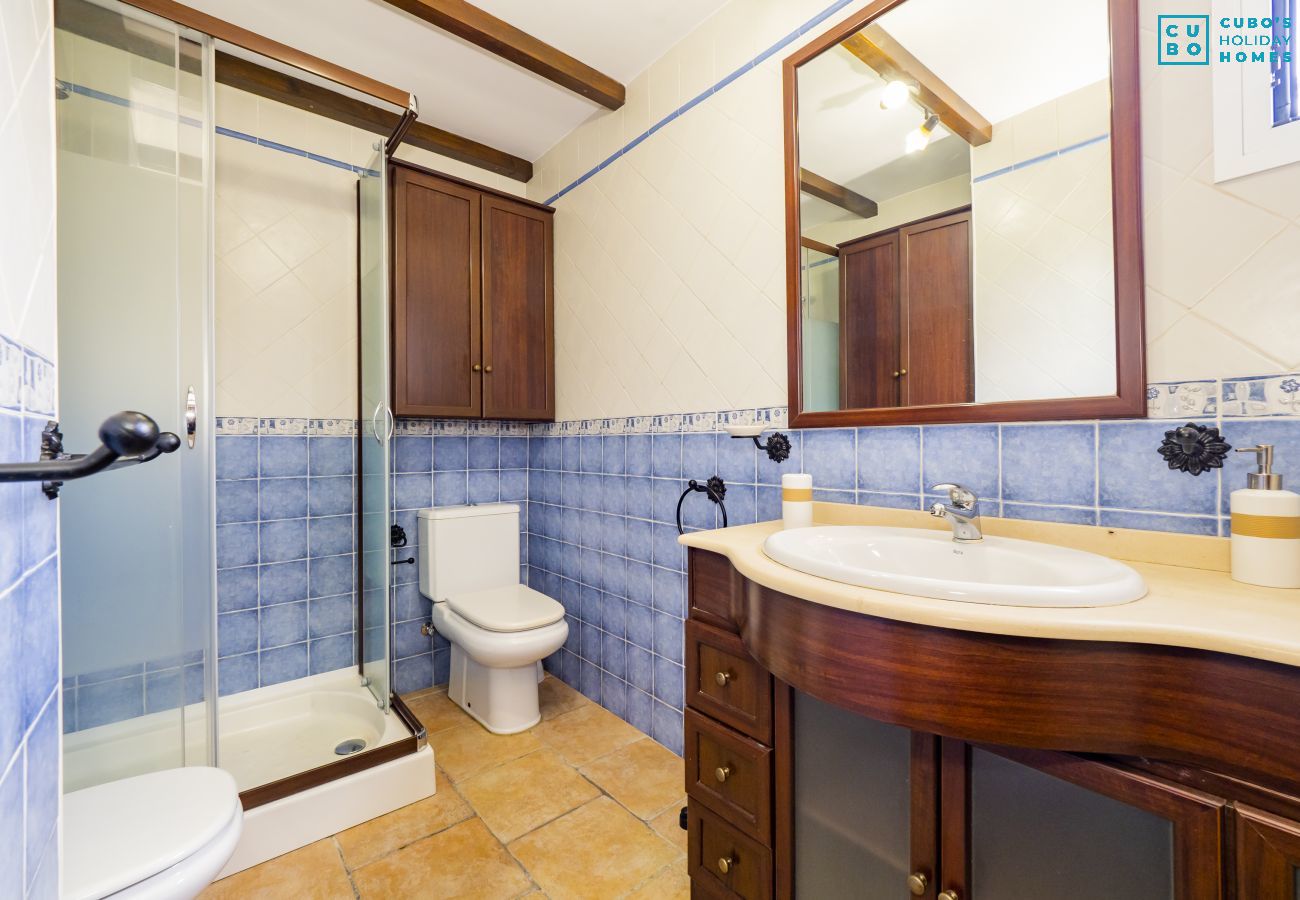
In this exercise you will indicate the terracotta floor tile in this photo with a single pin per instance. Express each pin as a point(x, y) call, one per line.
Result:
point(467, 750)
point(668, 824)
point(372, 840)
point(557, 698)
point(644, 776)
point(670, 884)
point(314, 872)
point(436, 711)
point(586, 733)
point(517, 797)
point(598, 851)
point(463, 861)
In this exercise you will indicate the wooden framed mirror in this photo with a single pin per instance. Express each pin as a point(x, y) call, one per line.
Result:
point(963, 214)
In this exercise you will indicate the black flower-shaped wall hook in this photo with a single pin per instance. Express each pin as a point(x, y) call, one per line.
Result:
point(777, 447)
point(1194, 448)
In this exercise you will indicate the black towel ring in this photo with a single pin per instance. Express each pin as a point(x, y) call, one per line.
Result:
point(715, 488)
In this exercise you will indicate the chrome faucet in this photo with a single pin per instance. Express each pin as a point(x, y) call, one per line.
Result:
point(962, 510)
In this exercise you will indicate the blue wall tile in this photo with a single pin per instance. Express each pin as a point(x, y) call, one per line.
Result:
point(1054, 464)
point(831, 455)
point(281, 498)
point(1135, 477)
point(889, 460)
point(282, 540)
point(331, 456)
point(964, 454)
point(236, 501)
point(236, 457)
point(283, 456)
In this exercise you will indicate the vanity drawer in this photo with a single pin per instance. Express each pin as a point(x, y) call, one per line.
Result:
point(722, 681)
point(713, 588)
point(714, 845)
point(730, 774)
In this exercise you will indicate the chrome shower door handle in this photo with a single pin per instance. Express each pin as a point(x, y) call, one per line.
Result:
point(392, 422)
point(191, 418)
point(374, 423)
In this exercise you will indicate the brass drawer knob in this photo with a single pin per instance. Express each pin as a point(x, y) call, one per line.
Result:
point(722, 678)
point(487, 368)
point(726, 864)
point(917, 883)
point(722, 773)
point(950, 895)
point(476, 367)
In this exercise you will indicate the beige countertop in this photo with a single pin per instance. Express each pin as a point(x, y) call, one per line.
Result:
point(1191, 602)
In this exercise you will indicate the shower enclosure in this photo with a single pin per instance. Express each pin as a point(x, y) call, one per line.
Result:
point(170, 565)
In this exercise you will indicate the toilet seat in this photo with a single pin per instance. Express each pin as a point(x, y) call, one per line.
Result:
point(161, 835)
point(508, 609)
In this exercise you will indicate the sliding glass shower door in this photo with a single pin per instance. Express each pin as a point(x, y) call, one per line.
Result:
point(134, 311)
point(376, 427)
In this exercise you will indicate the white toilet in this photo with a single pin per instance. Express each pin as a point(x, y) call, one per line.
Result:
point(160, 836)
point(499, 629)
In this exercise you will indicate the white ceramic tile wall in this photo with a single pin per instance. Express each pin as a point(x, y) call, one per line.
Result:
point(670, 289)
point(286, 257)
point(1044, 283)
point(29, 637)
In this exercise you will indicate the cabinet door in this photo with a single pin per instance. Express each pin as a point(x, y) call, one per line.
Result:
point(938, 351)
point(518, 316)
point(436, 298)
point(1024, 825)
point(1268, 856)
point(869, 323)
point(865, 806)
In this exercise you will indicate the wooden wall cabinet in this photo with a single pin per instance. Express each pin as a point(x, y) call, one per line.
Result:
point(907, 315)
point(813, 766)
point(473, 301)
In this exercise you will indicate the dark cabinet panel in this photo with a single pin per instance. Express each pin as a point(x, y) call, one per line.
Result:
point(473, 318)
point(518, 314)
point(436, 310)
point(869, 322)
point(907, 315)
point(1268, 856)
point(936, 298)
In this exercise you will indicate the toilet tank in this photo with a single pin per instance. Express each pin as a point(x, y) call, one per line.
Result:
point(468, 548)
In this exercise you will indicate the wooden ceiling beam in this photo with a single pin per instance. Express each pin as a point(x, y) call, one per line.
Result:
point(824, 189)
point(893, 62)
point(103, 26)
point(244, 75)
point(485, 30)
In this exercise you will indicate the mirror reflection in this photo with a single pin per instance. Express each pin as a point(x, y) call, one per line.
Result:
point(955, 207)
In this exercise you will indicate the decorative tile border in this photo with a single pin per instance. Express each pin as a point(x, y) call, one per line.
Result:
point(1265, 395)
point(1182, 399)
point(287, 427)
point(12, 370)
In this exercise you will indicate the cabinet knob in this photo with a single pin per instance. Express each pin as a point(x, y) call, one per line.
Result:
point(722, 773)
point(476, 367)
point(949, 895)
point(487, 368)
point(917, 883)
point(902, 371)
point(726, 864)
point(722, 678)
point(897, 373)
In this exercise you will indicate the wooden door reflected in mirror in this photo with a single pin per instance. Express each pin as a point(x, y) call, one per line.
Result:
point(963, 218)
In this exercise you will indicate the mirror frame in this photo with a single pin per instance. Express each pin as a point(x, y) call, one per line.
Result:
point(1129, 401)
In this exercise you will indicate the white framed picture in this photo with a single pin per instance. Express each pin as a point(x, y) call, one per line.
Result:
point(1256, 103)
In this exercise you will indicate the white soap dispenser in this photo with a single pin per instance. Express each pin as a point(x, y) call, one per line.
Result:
point(1265, 527)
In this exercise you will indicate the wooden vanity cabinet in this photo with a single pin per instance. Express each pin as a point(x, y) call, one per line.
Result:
point(842, 789)
point(473, 305)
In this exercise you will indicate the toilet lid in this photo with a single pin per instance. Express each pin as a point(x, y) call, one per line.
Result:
point(120, 833)
point(507, 609)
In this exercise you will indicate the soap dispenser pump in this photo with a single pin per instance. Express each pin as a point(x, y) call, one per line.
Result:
point(1265, 527)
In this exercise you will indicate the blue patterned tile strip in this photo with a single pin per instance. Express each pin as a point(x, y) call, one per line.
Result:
point(29, 637)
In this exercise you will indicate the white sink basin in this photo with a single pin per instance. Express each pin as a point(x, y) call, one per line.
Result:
point(998, 571)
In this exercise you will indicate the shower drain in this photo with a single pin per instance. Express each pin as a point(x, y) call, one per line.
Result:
point(348, 747)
